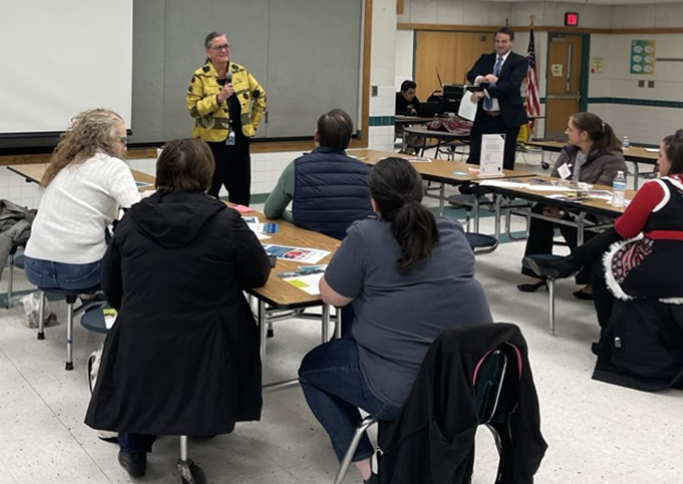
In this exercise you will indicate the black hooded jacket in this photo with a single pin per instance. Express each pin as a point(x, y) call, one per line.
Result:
point(183, 355)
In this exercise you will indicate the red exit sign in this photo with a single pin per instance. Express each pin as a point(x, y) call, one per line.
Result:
point(571, 19)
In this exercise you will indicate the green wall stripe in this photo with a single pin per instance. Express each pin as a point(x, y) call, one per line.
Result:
point(381, 121)
point(631, 102)
point(636, 102)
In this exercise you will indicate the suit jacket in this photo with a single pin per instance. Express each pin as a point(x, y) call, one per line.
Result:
point(507, 89)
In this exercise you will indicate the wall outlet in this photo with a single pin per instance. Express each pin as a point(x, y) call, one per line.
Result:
point(650, 84)
point(641, 83)
point(375, 91)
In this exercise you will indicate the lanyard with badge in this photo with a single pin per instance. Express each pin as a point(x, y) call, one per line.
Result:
point(230, 140)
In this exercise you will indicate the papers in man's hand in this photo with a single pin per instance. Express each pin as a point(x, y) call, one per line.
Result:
point(468, 108)
point(306, 278)
point(299, 254)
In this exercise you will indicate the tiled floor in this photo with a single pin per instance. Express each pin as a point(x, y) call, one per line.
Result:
point(597, 433)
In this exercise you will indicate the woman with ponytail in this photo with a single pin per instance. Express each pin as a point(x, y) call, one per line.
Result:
point(409, 276)
point(592, 155)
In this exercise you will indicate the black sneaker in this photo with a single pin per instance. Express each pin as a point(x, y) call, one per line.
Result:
point(135, 463)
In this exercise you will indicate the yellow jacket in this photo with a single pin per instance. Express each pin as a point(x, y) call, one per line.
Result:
point(211, 120)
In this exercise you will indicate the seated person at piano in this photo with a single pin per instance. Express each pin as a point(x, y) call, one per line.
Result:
point(327, 188)
point(182, 357)
point(409, 276)
point(85, 185)
point(592, 155)
point(407, 102)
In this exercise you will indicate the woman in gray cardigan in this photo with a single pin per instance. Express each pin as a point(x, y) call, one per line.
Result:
point(593, 155)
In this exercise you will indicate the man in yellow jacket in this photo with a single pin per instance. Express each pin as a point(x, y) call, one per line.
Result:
point(227, 104)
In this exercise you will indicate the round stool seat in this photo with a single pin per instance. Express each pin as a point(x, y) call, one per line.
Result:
point(70, 292)
point(461, 200)
point(93, 320)
point(528, 262)
point(481, 242)
point(19, 262)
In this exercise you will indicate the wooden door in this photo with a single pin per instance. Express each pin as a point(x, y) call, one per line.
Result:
point(452, 54)
point(563, 82)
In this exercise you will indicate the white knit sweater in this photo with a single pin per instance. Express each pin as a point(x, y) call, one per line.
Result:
point(77, 206)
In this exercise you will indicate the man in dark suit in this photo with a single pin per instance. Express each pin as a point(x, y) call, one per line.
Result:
point(501, 106)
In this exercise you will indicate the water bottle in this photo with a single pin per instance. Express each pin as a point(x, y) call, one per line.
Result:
point(625, 144)
point(619, 190)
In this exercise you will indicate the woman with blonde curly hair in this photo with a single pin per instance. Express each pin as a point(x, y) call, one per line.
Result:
point(85, 184)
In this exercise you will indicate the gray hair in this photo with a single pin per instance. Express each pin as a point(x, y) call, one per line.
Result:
point(213, 35)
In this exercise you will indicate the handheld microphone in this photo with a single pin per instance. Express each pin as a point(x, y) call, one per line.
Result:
point(228, 77)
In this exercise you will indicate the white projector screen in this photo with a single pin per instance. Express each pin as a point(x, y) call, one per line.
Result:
point(58, 58)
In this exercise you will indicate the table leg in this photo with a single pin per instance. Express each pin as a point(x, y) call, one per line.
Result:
point(338, 327)
point(262, 325)
point(442, 198)
point(498, 201)
point(326, 323)
point(551, 306)
point(636, 175)
point(579, 228)
point(475, 208)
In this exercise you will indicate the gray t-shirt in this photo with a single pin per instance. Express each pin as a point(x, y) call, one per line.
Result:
point(399, 315)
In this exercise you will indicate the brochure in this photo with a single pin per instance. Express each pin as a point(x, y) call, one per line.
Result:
point(299, 254)
point(260, 229)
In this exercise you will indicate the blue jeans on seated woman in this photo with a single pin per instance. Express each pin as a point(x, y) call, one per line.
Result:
point(56, 275)
point(335, 388)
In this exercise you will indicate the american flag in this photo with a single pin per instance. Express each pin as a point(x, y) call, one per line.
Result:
point(533, 106)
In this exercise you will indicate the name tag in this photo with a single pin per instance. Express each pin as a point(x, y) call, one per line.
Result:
point(564, 171)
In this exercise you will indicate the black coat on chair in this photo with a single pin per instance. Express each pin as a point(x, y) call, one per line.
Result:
point(432, 440)
point(183, 355)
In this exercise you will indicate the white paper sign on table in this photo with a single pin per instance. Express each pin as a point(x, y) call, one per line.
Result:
point(492, 150)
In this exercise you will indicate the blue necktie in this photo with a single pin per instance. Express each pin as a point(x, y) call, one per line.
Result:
point(488, 102)
point(499, 64)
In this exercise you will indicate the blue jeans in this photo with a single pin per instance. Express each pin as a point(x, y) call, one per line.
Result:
point(130, 443)
point(335, 388)
point(55, 275)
